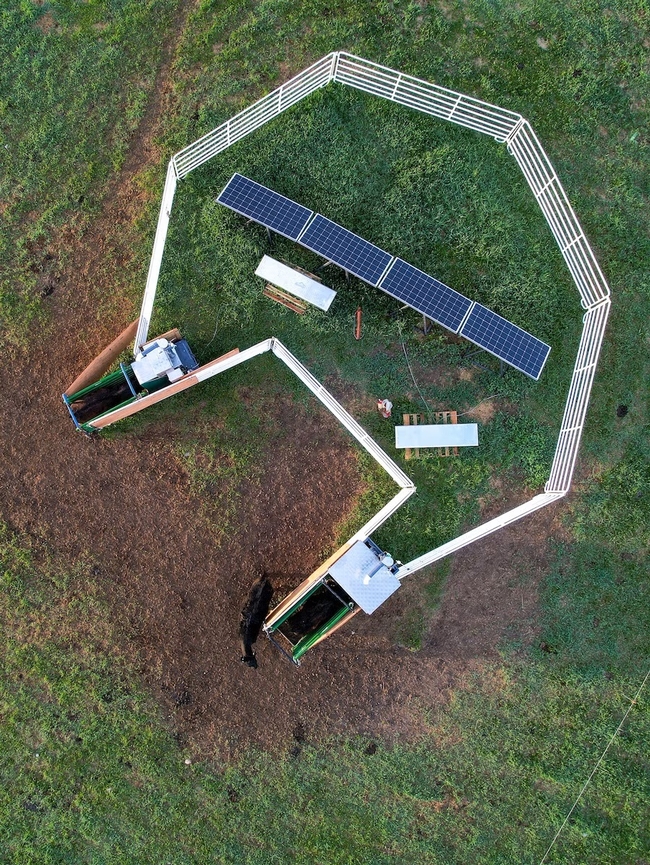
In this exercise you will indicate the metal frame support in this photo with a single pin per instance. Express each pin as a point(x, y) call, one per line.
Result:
point(503, 126)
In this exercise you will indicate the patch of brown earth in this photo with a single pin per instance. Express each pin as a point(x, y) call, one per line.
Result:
point(125, 501)
point(46, 22)
point(492, 590)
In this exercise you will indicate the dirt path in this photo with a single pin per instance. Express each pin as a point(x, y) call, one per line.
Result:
point(127, 503)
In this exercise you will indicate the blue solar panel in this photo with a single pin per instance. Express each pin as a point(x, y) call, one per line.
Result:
point(420, 291)
point(426, 295)
point(345, 249)
point(251, 199)
point(505, 340)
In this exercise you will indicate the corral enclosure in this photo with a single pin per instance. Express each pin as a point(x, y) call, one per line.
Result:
point(452, 203)
point(528, 660)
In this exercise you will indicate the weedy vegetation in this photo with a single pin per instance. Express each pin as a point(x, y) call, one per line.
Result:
point(74, 84)
point(89, 770)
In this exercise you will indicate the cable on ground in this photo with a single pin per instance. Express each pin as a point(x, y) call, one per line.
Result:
point(408, 363)
point(593, 772)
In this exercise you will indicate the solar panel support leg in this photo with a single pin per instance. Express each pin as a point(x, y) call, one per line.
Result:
point(269, 237)
point(394, 314)
point(479, 351)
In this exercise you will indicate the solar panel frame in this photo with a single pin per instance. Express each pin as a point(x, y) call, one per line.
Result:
point(345, 249)
point(490, 331)
point(261, 204)
point(426, 294)
point(394, 276)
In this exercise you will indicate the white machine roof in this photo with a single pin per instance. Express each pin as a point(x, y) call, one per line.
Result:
point(363, 576)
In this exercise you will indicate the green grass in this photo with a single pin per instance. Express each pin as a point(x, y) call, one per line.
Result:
point(90, 773)
point(596, 609)
point(208, 284)
point(74, 84)
point(501, 765)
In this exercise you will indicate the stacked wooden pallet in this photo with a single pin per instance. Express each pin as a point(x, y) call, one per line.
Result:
point(279, 295)
point(434, 417)
point(289, 300)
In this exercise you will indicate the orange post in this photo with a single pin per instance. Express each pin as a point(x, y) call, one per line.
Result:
point(95, 370)
point(357, 324)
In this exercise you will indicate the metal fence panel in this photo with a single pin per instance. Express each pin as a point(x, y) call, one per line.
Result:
point(522, 143)
point(566, 452)
point(424, 96)
point(344, 417)
point(552, 199)
point(156, 258)
point(476, 534)
point(381, 516)
point(256, 115)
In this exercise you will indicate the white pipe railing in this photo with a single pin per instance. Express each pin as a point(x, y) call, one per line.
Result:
point(156, 258)
point(424, 96)
point(381, 516)
point(522, 143)
point(235, 360)
point(534, 504)
point(566, 452)
point(551, 197)
point(344, 417)
point(256, 115)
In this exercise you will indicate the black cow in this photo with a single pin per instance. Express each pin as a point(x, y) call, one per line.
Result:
point(252, 618)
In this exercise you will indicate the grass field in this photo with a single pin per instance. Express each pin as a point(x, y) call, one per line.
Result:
point(74, 86)
point(90, 769)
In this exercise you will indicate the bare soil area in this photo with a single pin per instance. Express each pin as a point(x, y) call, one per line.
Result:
point(175, 594)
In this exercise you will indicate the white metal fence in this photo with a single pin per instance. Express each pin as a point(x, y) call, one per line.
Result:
point(343, 416)
point(156, 258)
point(511, 516)
point(254, 116)
point(365, 440)
point(566, 452)
point(522, 143)
point(423, 96)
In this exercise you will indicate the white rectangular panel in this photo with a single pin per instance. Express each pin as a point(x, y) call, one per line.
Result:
point(437, 435)
point(295, 283)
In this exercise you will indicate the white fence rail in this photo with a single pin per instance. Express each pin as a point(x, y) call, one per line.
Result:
point(522, 143)
point(381, 516)
point(344, 417)
point(539, 501)
point(566, 452)
point(423, 96)
point(256, 115)
point(547, 189)
point(156, 258)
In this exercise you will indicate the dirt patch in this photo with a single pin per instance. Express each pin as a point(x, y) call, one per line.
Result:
point(125, 502)
point(351, 396)
point(46, 22)
point(492, 592)
point(443, 375)
point(483, 412)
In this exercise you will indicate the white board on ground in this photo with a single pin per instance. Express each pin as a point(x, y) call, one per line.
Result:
point(437, 435)
point(295, 283)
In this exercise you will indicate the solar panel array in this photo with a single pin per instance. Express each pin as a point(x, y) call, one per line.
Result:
point(346, 249)
point(392, 275)
point(255, 201)
point(505, 340)
point(425, 294)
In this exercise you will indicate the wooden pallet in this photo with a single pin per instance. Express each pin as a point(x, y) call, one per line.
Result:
point(302, 270)
point(289, 300)
point(435, 417)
